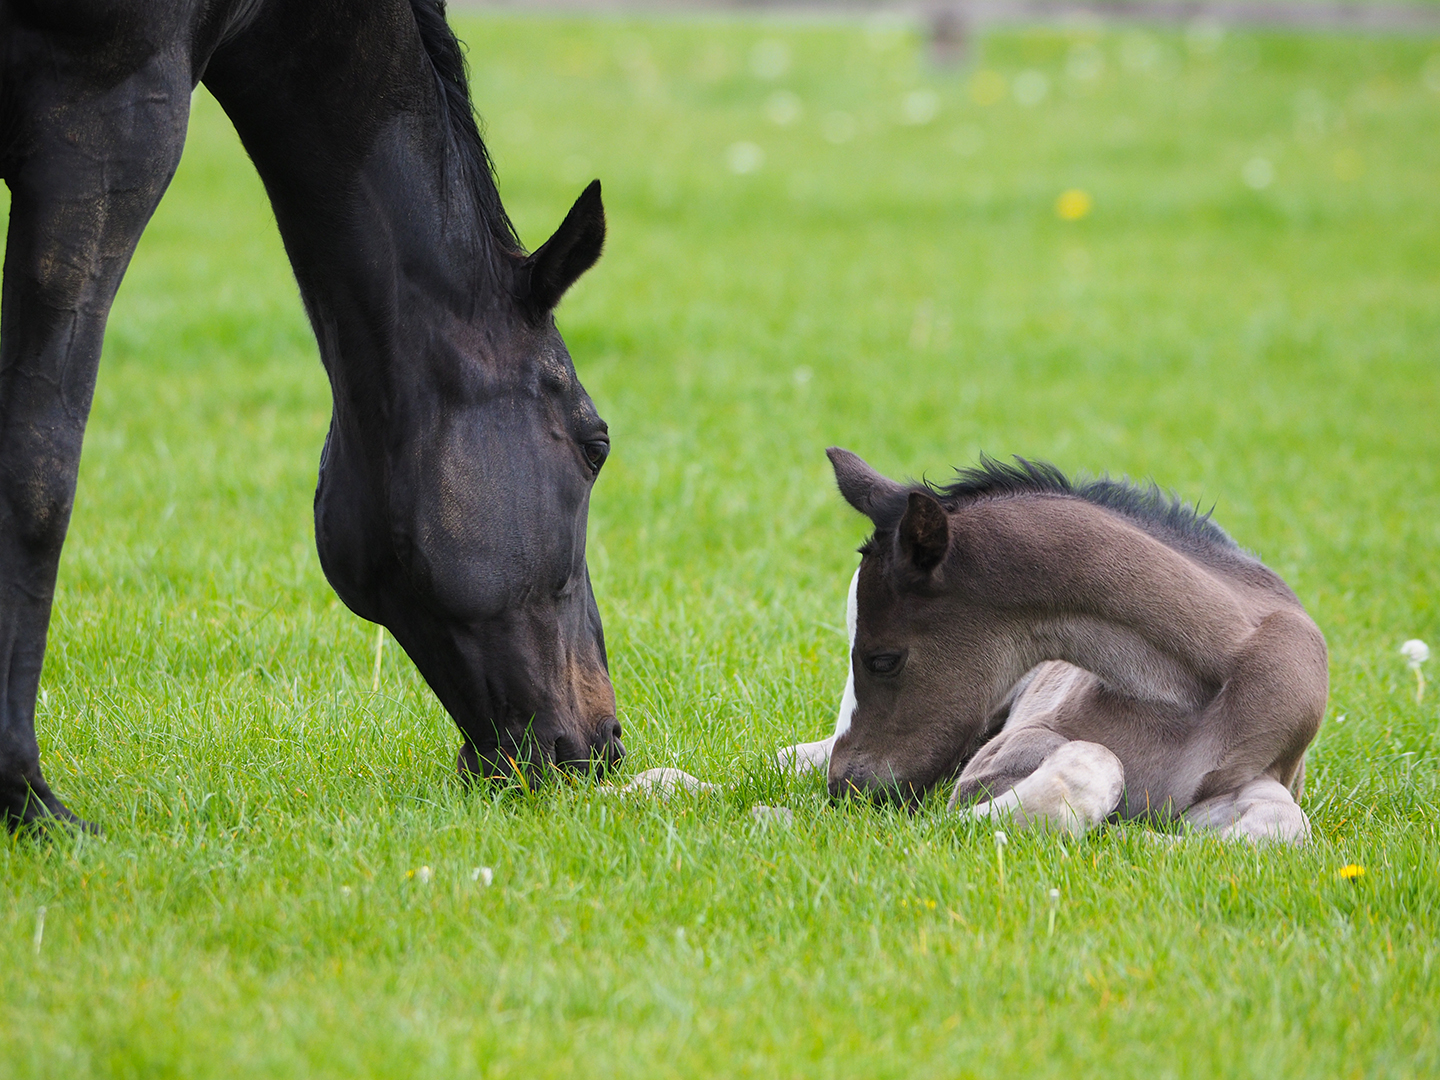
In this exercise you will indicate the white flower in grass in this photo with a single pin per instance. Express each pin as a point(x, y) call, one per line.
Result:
point(1258, 173)
point(744, 158)
point(482, 874)
point(919, 107)
point(1416, 652)
point(424, 874)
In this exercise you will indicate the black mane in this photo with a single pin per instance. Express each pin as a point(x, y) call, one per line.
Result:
point(1145, 503)
point(452, 81)
point(1158, 512)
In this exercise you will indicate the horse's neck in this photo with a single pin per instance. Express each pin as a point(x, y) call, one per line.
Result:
point(341, 117)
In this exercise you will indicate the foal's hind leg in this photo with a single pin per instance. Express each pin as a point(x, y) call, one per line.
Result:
point(1254, 736)
point(91, 153)
point(1262, 810)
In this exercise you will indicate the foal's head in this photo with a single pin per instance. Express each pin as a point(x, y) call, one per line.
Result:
point(907, 731)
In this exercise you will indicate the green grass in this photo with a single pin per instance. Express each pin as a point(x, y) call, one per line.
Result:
point(911, 294)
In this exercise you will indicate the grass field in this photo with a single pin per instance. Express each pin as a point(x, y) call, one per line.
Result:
point(816, 238)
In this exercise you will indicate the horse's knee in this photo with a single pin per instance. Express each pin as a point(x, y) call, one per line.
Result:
point(36, 497)
point(1270, 709)
point(1287, 661)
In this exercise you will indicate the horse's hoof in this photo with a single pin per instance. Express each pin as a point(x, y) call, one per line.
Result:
point(51, 824)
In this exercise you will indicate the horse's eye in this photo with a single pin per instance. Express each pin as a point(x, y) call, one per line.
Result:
point(885, 663)
point(596, 451)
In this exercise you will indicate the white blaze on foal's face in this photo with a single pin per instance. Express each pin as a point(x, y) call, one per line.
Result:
point(847, 700)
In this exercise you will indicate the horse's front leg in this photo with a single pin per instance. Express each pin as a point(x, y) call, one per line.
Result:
point(90, 156)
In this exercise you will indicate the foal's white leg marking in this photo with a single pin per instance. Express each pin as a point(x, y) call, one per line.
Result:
point(1073, 790)
point(802, 757)
point(1262, 810)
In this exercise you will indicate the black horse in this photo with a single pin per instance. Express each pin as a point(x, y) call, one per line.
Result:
point(455, 480)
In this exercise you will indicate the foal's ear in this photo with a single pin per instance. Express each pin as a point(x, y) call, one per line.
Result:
point(863, 488)
point(554, 266)
point(924, 532)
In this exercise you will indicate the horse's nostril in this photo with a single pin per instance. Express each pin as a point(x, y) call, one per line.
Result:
point(614, 732)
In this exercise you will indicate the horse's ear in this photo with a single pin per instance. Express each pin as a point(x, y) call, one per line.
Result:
point(863, 488)
point(555, 265)
point(924, 532)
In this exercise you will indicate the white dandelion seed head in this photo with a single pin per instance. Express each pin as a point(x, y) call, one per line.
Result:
point(1000, 838)
point(1415, 652)
point(743, 158)
point(425, 874)
point(482, 874)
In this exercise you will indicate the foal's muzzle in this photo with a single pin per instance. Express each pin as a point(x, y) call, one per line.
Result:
point(853, 784)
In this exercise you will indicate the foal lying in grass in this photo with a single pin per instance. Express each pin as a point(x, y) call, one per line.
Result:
point(1075, 652)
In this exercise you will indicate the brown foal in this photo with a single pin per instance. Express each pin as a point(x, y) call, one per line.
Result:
point(1075, 652)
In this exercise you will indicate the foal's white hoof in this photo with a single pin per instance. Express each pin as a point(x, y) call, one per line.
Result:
point(1263, 811)
point(1072, 791)
point(666, 782)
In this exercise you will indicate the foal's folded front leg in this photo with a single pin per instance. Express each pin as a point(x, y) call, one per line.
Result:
point(1075, 788)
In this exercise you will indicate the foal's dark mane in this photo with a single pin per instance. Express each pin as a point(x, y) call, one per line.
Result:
point(447, 58)
point(1158, 512)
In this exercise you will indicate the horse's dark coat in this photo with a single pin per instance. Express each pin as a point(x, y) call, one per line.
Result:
point(456, 476)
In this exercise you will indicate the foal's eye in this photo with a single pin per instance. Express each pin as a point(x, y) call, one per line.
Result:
point(885, 663)
point(596, 451)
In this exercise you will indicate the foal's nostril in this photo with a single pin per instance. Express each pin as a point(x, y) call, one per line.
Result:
point(612, 731)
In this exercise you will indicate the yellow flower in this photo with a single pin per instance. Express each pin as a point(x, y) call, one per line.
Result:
point(987, 87)
point(1351, 871)
point(1074, 204)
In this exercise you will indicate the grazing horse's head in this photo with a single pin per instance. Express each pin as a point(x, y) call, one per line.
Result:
point(906, 731)
point(458, 521)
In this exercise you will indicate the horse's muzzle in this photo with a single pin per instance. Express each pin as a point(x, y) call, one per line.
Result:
point(603, 752)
